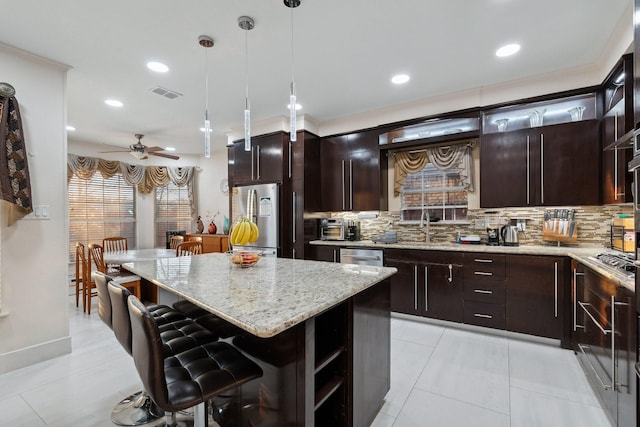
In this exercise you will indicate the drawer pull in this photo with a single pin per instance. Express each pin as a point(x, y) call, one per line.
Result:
point(482, 291)
point(483, 260)
point(482, 273)
point(484, 316)
point(584, 306)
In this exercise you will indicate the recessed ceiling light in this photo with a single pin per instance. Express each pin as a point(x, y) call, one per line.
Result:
point(507, 50)
point(113, 103)
point(202, 130)
point(158, 67)
point(70, 128)
point(400, 79)
point(298, 107)
point(169, 148)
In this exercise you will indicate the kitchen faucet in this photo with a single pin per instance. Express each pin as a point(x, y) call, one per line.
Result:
point(425, 216)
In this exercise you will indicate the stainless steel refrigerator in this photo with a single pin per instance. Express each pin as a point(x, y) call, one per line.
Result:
point(260, 203)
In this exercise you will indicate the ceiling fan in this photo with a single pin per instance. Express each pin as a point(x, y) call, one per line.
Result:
point(140, 151)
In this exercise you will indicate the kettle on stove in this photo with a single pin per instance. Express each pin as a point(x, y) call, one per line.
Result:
point(509, 234)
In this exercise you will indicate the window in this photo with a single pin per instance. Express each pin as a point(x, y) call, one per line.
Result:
point(173, 211)
point(441, 194)
point(100, 208)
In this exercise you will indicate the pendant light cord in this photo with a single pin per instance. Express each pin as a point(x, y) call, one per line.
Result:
point(206, 85)
point(292, 49)
point(246, 69)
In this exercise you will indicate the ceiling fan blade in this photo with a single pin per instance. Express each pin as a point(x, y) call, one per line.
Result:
point(168, 156)
point(150, 149)
point(115, 151)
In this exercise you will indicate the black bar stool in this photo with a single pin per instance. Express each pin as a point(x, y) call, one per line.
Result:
point(182, 380)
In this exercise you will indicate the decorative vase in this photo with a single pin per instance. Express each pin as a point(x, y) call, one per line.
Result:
point(225, 226)
point(199, 225)
point(212, 228)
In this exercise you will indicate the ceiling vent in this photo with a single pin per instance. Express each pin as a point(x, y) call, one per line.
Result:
point(167, 93)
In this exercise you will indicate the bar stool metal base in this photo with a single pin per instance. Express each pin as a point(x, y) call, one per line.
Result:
point(136, 410)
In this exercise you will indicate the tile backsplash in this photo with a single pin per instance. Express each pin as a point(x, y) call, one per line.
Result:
point(593, 225)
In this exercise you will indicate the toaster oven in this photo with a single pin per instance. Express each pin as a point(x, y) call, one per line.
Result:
point(332, 229)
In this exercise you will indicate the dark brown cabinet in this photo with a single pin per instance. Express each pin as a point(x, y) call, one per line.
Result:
point(605, 340)
point(427, 284)
point(545, 166)
point(301, 195)
point(535, 295)
point(484, 290)
point(324, 253)
point(617, 122)
point(264, 163)
point(351, 173)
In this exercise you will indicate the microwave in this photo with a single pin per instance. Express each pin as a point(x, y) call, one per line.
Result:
point(332, 229)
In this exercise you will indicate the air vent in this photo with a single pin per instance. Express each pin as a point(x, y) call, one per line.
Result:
point(167, 93)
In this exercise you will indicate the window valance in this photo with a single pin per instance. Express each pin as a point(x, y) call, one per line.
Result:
point(455, 156)
point(145, 178)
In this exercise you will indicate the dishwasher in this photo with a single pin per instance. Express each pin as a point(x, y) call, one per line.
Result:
point(361, 256)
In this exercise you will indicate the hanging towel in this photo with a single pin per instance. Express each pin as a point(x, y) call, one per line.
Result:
point(15, 185)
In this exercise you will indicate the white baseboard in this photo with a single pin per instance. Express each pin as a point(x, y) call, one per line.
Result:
point(31, 355)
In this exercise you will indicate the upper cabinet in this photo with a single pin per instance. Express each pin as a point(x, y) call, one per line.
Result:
point(616, 127)
point(263, 163)
point(351, 174)
point(541, 154)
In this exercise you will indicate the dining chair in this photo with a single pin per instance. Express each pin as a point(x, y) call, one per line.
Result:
point(175, 241)
point(79, 278)
point(194, 239)
point(130, 281)
point(189, 248)
point(114, 244)
point(83, 272)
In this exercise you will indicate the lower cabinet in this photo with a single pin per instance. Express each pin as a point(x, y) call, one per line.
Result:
point(427, 283)
point(605, 340)
point(212, 242)
point(324, 253)
point(535, 295)
point(484, 301)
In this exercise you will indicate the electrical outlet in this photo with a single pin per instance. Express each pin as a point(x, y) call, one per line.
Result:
point(521, 225)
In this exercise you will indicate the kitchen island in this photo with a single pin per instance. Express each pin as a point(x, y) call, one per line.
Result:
point(320, 331)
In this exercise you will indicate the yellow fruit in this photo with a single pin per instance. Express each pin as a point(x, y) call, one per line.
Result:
point(255, 233)
point(242, 231)
point(234, 234)
point(247, 233)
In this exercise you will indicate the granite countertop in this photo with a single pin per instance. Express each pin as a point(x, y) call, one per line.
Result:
point(266, 299)
point(580, 254)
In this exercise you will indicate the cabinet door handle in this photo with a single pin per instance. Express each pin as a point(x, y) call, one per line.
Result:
point(483, 260)
point(344, 171)
point(426, 288)
point(258, 161)
point(528, 170)
point(350, 184)
point(335, 255)
point(542, 168)
point(252, 164)
point(555, 290)
point(482, 273)
point(415, 287)
point(294, 217)
point(293, 254)
point(575, 299)
point(482, 291)
point(615, 157)
point(484, 316)
point(613, 342)
point(582, 348)
point(290, 161)
point(450, 278)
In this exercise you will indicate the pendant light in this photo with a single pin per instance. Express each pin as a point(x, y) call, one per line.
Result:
point(247, 24)
point(206, 42)
point(292, 4)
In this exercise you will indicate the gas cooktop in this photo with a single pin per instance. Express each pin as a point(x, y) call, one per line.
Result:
point(624, 263)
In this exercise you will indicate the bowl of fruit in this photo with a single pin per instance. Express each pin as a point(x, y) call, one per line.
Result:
point(244, 231)
point(244, 257)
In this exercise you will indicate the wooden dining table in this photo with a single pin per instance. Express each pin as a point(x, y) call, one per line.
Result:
point(148, 292)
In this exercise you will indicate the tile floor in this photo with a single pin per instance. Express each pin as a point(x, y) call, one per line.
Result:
point(440, 377)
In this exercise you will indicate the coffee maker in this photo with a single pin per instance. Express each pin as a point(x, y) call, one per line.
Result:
point(493, 223)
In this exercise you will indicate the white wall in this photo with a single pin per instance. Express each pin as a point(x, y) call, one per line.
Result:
point(34, 325)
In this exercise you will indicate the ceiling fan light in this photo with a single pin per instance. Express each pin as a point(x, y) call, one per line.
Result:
point(138, 154)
